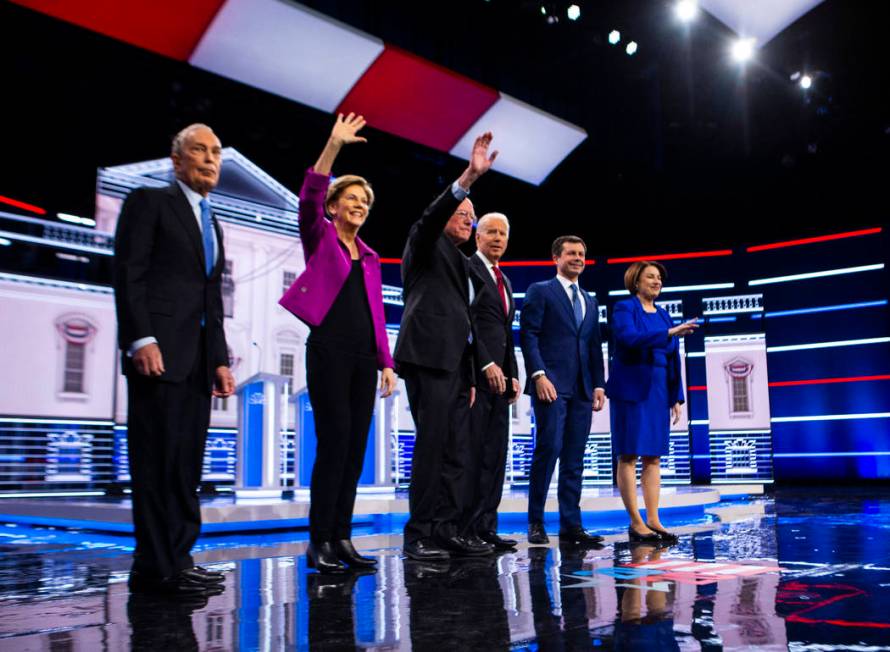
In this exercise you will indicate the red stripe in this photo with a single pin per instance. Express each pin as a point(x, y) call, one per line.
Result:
point(821, 238)
point(691, 254)
point(21, 204)
point(808, 381)
point(508, 263)
point(824, 381)
point(536, 263)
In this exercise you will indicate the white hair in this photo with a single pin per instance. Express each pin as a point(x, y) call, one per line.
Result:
point(180, 138)
point(493, 216)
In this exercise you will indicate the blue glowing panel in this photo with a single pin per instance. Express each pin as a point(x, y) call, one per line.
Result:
point(741, 456)
point(55, 455)
point(598, 459)
point(308, 442)
point(404, 452)
point(520, 456)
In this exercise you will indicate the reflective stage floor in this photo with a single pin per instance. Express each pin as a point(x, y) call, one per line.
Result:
point(801, 569)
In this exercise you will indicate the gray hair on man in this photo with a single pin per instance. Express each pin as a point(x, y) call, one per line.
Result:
point(493, 216)
point(180, 138)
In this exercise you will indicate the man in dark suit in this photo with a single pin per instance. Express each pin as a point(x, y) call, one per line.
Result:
point(168, 262)
point(560, 339)
point(434, 356)
point(497, 377)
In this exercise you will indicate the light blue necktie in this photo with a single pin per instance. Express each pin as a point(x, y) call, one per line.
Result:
point(576, 306)
point(207, 235)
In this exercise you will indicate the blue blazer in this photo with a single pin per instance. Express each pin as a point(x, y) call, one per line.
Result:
point(551, 342)
point(630, 363)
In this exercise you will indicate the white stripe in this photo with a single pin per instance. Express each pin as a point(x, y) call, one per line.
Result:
point(827, 272)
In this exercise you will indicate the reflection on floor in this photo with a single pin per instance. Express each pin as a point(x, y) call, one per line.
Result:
point(795, 571)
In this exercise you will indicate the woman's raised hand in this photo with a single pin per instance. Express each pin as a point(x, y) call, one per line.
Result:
point(345, 130)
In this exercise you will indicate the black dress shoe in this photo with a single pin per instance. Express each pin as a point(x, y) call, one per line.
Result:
point(499, 542)
point(636, 537)
point(458, 546)
point(664, 535)
point(347, 553)
point(202, 576)
point(579, 536)
point(537, 534)
point(321, 557)
point(424, 550)
point(175, 586)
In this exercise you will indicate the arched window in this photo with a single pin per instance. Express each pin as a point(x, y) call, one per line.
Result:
point(76, 332)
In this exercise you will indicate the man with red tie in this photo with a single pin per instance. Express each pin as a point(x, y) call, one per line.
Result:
point(497, 382)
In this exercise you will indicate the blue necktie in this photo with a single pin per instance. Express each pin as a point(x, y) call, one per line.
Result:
point(207, 235)
point(576, 306)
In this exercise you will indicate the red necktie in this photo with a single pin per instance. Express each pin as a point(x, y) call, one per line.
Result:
point(502, 289)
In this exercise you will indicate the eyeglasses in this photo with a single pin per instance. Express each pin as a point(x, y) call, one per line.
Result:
point(464, 215)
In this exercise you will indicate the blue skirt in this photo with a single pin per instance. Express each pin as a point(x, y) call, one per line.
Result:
point(643, 427)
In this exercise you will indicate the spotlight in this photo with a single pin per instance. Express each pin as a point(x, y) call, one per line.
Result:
point(686, 10)
point(631, 48)
point(614, 37)
point(806, 81)
point(551, 20)
point(543, 10)
point(574, 12)
point(743, 49)
point(4, 242)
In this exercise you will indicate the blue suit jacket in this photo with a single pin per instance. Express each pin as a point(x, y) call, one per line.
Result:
point(551, 341)
point(630, 364)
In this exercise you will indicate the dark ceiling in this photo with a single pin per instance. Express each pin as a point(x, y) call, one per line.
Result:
point(684, 152)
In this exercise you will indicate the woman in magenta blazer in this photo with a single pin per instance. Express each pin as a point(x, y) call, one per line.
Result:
point(340, 296)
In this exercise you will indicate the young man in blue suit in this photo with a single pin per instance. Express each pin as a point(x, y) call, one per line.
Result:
point(560, 339)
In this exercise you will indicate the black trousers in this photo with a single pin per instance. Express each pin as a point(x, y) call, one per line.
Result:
point(342, 390)
point(440, 489)
point(490, 419)
point(166, 433)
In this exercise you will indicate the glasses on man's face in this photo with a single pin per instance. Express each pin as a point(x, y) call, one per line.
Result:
point(466, 215)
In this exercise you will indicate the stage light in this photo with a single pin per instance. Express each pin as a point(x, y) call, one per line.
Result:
point(543, 10)
point(743, 49)
point(631, 48)
point(4, 242)
point(76, 219)
point(686, 10)
point(574, 12)
point(614, 37)
point(806, 81)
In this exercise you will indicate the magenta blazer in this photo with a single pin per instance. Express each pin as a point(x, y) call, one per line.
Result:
point(328, 264)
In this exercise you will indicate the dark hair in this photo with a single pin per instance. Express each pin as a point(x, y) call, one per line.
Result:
point(556, 247)
point(633, 273)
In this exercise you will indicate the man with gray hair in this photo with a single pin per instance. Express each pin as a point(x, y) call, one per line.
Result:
point(168, 264)
point(497, 382)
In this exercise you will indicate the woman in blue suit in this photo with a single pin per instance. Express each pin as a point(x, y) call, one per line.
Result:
point(646, 392)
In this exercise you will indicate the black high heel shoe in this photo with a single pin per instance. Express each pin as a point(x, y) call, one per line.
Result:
point(636, 537)
point(664, 535)
point(321, 557)
point(347, 553)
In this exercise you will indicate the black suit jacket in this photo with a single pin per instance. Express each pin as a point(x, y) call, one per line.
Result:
point(160, 286)
point(436, 319)
point(493, 329)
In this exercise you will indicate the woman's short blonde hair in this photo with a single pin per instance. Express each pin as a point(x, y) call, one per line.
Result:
point(633, 273)
point(336, 188)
